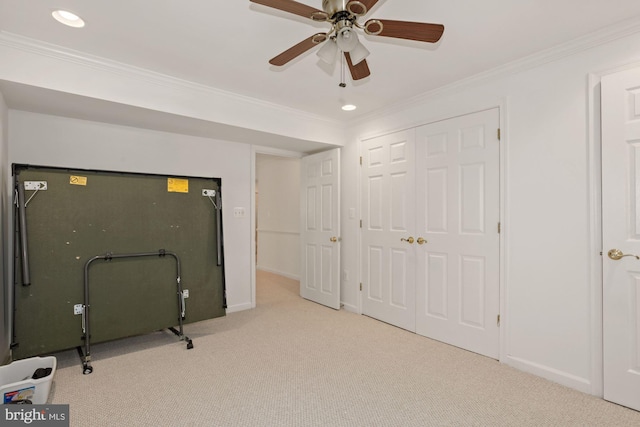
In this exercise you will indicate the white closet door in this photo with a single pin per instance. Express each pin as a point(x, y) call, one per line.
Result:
point(388, 261)
point(320, 228)
point(458, 211)
point(621, 236)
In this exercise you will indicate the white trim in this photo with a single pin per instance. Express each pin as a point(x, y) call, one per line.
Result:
point(252, 220)
point(278, 272)
point(450, 114)
point(616, 69)
point(350, 308)
point(594, 250)
point(360, 155)
point(551, 374)
point(270, 231)
point(605, 35)
point(504, 222)
point(49, 50)
point(239, 307)
point(259, 149)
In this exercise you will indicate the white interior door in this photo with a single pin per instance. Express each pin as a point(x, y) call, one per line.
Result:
point(388, 209)
point(621, 236)
point(320, 228)
point(458, 211)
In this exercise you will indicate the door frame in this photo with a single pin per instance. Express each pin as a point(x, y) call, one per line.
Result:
point(256, 149)
point(501, 103)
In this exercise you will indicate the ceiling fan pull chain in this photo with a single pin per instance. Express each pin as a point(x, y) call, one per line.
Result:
point(342, 83)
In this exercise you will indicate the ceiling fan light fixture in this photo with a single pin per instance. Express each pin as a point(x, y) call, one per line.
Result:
point(347, 39)
point(359, 54)
point(328, 52)
point(67, 18)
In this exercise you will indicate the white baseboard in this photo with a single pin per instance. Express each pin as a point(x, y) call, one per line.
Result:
point(551, 374)
point(349, 307)
point(239, 307)
point(280, 273)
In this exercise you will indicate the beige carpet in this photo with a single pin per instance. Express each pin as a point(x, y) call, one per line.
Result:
point(291, 362)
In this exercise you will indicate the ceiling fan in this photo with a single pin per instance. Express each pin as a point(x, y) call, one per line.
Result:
point(343, 16)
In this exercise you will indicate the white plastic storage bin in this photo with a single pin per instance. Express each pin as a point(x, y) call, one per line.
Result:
point(16, 381)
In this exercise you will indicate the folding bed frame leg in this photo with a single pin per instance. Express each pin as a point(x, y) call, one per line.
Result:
point(86, 362)
point(182, 337)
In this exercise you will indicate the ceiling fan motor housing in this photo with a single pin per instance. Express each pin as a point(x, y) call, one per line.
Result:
point(334, 6)
point(347, 7)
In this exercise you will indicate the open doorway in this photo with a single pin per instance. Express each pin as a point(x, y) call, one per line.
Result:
point(277, 215)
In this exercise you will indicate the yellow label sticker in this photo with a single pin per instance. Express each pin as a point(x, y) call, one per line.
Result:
point(77, 180)
point(176, 185)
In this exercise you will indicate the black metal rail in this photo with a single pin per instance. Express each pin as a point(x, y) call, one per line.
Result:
point(22, 221)
point(86, 324)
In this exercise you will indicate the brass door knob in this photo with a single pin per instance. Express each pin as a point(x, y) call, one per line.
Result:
point(334, 239)
point(421, 241)
point(410, 240)
point(616, 254)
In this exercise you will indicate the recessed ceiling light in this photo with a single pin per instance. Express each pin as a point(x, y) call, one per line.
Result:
point(67, 18)
point(349, 107)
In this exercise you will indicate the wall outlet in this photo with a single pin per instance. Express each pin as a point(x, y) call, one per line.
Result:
point(185, 293)
point(239, 213)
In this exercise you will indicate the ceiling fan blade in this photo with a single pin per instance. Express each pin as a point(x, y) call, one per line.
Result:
point(360, 7)
point(418, 31)
point(369, 3)
point(291, 7)
point(358, 71)
point(299, 49)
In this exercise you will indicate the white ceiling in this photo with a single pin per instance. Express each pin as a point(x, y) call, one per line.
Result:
point(226, 44)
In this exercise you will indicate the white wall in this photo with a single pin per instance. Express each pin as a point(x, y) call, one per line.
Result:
point(551, 324)
point(278, 209)
point(55, 141)
point(5, 201)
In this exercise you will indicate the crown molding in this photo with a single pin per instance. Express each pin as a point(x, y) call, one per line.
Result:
point(606, 35)
point(41, 48)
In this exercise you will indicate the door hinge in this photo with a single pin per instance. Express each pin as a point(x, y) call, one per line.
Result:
point(360, 223)
point(499, 134)
point(499, 227)
point(498, 320)
point(360, 286)
point(360, 160)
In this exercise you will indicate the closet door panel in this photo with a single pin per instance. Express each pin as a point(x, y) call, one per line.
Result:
point(388, 212)
point(457, 213)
